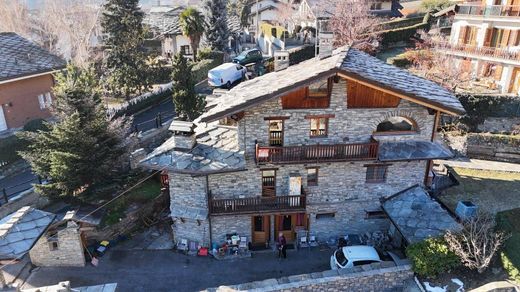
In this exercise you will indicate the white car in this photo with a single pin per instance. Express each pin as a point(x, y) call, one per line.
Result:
point(226, 74)
point(356, 255)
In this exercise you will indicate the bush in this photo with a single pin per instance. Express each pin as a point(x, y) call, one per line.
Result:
point(9, 148)
point(202, 67)
point(301, 55)
point(207, 53)
point(510, 268)
point(404, 34)
point(401, 61)
point(431, 257)
point(35, 125)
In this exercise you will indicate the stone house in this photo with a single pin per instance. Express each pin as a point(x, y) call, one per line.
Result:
point(312, 147)
point(25, 81)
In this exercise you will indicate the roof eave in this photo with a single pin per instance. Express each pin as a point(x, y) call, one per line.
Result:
point(31, 75)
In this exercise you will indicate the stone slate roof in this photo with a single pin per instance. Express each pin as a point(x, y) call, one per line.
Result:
point(418, 216)
point(164, 20)
point(216, 150)
point(396, 79)
point(259, 89)
point(350, 62)
point(412, 150)
point(20, 57)
point(20, 230)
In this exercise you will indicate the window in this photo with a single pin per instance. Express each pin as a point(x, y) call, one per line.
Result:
point(316, 95)
point(312, 176)
point(325, 216)
point(286, 222)
point(376, 6)
point(276, 133)
point(268, 183)
point(186, 50)
point(376, 173)
point(319, 127)
point(53, 245)
point(375, 214)
point(45, 100)
point(259, 223)
point(319, 89)
point(397, 125)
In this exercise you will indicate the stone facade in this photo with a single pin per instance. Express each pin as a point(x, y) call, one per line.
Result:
point(342, 188)
point(382, 276)
point(64, 248)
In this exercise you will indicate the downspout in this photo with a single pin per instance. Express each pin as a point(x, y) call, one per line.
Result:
point(208, 198)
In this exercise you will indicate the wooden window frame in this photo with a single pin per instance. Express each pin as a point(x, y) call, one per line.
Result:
point(275, 170)
point(318, 118)
point(269, 129)
point(375, 214)
point(375, 180)
point(326, 95)
point(312, 183)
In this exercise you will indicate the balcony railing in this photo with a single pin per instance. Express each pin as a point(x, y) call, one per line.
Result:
point(257, 205)
point(501, 53)
point(317, 153)
point(491, 10)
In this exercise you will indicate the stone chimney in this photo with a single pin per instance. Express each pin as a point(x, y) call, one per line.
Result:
point(325, 44)
point(183, 135)
point(281, 60)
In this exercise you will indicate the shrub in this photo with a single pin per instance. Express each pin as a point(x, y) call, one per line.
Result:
point(510, 268)
point(35, 125)
point(207, 53)
point(431, 257)
point(401, 61)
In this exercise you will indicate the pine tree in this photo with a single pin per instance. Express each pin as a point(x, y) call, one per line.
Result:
point(188, 104)
point(125, 61)
point(217, 31)
point(80, 150)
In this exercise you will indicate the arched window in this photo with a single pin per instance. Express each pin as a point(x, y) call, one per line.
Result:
point(397, 124)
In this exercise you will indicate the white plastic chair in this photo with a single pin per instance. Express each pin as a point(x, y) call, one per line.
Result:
point(243, 242)
point(304, 242)
point(312, 241)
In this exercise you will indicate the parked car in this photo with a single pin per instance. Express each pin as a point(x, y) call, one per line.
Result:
point(249, 56)
point(226, 74)
point(356, 255)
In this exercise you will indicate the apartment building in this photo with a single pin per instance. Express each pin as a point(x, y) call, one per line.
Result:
point(485, 38)
point(313, 147)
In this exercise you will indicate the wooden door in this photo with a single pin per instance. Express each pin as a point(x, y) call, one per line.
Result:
point(515, 80)
point(268, 183)
point(261, 229)
point(285, 224)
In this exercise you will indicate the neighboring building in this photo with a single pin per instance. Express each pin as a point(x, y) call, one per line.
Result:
point(25, 81)
point(485, 37)
point(312, 147)
point(270, 11)
point(165, 26)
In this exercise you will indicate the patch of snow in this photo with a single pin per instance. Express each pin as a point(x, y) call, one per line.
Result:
point(460, 283)
point(430, 288)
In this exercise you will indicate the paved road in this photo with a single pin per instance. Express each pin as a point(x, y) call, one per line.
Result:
point(17, 183)
point(169, 271)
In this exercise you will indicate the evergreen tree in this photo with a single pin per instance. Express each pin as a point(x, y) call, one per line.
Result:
point(125, 61)
point(245, 10)
point(192, 26)
point(80, 150)
point(188, 104)
point(217, 31)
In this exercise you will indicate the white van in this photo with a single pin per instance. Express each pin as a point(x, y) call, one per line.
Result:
point(226, 74)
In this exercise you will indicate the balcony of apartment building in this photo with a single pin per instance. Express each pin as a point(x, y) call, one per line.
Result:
point(268, 202)
point(494, 12)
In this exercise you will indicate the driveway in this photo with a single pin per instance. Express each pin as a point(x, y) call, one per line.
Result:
point(142, 270)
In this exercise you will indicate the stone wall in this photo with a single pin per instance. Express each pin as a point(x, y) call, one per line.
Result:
point(69, 251)
point(347, 126)
point(191, 230)
point(375, 277)
point(27, 198)
point(500, 125)
point(222, 225)
point(494, 147)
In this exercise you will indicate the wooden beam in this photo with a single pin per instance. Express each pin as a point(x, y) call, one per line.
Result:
point(392, 92)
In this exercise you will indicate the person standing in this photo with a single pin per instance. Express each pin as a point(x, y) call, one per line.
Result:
point(282, 246)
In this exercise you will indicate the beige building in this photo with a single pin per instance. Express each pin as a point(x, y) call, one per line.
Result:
point(485, 38)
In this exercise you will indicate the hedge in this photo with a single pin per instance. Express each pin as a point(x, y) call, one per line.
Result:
point(400, 22)
point(432, 257)
point(300, 55)
point(404, 33)
point(480, 107)
point(494, 139)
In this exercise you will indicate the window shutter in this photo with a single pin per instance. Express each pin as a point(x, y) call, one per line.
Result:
point(41, 101)
point(489, 36)
point(505, 38)
point(48, 99)
point(462, 34)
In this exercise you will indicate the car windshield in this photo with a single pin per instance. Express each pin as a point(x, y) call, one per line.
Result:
point(243, 54)
point(340, 257)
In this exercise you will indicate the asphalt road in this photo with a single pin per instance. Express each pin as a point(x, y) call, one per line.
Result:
point(142, 270)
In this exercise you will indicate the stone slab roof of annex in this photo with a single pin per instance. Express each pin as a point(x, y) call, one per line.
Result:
point(164, 20)
point(216, 150)
point(20, 57)
point(412, 150)
point(418, 216)
point(344, 61)
point(20, 230)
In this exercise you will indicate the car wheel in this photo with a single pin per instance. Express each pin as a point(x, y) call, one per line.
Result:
point(228, 85)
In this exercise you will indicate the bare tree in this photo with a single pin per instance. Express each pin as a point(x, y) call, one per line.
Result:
point(477, 242)
point(14, 16)
point(353, 24)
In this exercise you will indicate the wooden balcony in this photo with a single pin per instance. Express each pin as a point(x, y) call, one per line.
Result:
point(257, 205)
point(470, 50)
point(317, 153)
point(490, 11)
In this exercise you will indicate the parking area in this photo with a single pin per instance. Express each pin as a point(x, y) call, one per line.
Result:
point(165, 270)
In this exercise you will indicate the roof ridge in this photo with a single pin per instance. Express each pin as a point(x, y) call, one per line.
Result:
point(15, 218)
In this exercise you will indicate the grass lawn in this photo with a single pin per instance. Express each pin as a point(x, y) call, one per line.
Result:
point(145, 192)
point(492, 191)
point(509, 221)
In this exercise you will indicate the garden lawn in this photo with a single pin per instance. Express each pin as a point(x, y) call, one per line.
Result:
point(491, 191)
point(509, 221)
